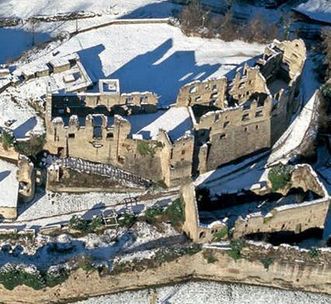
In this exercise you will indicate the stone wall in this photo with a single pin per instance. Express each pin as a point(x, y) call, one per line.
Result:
point(290, 269)
point(210, 92)
point(295, 217)
point(193, 229)
point(236, 132)
point(10, 153)
point(292, 217)
point(243, 86)
point(110, 143)
point(26, 177)
point(9, 213)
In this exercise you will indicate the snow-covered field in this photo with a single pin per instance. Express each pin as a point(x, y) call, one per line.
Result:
point(319, 10)
point(213, 293)
point(162, 63)
point(28, 8)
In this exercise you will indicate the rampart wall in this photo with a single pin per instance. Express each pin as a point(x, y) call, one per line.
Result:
point(297, 272)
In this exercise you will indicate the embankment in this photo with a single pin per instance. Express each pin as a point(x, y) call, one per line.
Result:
point(279, 267)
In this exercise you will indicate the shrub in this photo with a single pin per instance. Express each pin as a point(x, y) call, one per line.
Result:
point(96, 223)
point(266, 261)
point(314, 253)
point(221, 234)
point(326, 35)
point(175, 212)
point(127, 220)
point(148, 149)
point(209, 257)
point(326, 90)
point(193, 17)
point(280, 176)
point(54, 278)
point(236, 247)
point(13, 276)
point(193, 249)
point(152, 213)
point(7, 139)
point(86, 264)
point(78, 223)
point(32, 146)
point(85, 226)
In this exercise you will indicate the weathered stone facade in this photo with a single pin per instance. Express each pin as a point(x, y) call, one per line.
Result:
point(295, 217)
point(26, 177)
point(290, 269)
point(237, 118)
point(292, 217)
point(110, 139)
point(228, 120)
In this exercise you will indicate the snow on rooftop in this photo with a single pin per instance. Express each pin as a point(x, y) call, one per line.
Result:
point(8, 185)
point(175, 121)
point(319, 10)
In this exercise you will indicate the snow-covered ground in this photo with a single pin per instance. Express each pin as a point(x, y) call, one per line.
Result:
point(295, 134)
point(232, 178)
point(319, 10)
point(213, 293)
point(119, 244)
point(54, 208)
point(15, 106)
point(29, 8)
point(162, 63)
point(8, 185)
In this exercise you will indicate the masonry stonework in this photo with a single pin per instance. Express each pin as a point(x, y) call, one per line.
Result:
point(230, 119)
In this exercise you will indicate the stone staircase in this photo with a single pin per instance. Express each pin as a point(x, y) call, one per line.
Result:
point(116, 174)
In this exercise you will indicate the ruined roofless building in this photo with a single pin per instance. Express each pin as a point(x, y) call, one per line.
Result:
point(154, 144)
point(213, 122)
point(236, 118)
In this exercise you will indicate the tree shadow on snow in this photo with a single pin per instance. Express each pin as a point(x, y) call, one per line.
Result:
point(150, 72)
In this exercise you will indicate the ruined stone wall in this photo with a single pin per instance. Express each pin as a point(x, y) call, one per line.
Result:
point(193, 229)
point(270, 63)
point(295, 218)
point(285, 104)
point(181, 160)
point(94, 100)
point(295, 271)
point(294, 56)
point(10, 153)
point(9, 213)
point(209, 92)
point(158, 160)
point(234, 133)
point(147, 101)
point(26, 177)
point(250, 82)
